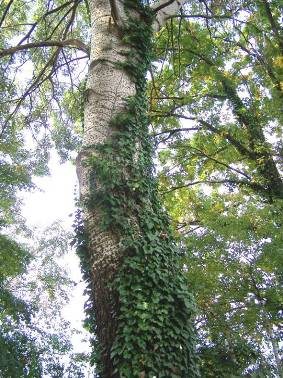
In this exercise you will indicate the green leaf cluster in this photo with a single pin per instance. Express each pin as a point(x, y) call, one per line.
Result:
point(216, 111)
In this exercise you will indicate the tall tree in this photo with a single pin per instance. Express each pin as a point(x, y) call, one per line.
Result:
point(140, 302)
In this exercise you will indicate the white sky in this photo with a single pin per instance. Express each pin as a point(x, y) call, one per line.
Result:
point(55, 200)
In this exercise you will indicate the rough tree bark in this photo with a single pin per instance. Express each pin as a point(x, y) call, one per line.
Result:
point(108, 86)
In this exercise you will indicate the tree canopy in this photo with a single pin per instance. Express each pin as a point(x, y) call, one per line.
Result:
point(216, 103)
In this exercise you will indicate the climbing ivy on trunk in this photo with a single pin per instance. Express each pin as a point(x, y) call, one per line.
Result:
point(151, 307)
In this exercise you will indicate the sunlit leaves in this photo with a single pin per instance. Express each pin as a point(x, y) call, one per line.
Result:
point(220, 86)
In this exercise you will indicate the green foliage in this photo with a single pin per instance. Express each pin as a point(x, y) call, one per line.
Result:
point(37, 82)
point(13, 258)
point(34, 338)
point(216, 112)
point(218, 68)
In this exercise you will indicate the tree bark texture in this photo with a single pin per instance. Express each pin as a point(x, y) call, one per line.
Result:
point(107, 88)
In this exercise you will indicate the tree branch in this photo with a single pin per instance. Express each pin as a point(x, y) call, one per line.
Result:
point(275, 28)
point(219, 182)
point(6, 12)
point(173, 131)
point(219, 17)
point(161, 5)
point(43, 17)
point(35, 84)
point(221, 163)
point(72, 43)
point(164, 10)
point(239, 146)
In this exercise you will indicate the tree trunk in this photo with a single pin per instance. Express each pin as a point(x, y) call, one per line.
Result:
point(274, 343)
point(107, 88)
point(140, 300)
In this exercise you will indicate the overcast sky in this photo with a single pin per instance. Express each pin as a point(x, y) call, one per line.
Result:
point(55, 200)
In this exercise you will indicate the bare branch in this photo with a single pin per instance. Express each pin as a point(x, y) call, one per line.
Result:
point(221, 163)
point(58, 8)
point(72, 43)
point(44, 16)
point(219, 17)
point(35, 84)
point(164, 9)
point(162, 4)
point(174, 131)
point(218, 182)
point(5, 12)
point(28, 33)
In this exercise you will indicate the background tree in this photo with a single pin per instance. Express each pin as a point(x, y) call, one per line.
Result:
point(216, 102)
point(141, 302)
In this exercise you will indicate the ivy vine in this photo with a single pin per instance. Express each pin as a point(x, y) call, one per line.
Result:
point(155, 335)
